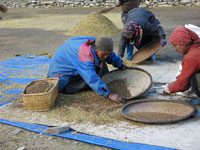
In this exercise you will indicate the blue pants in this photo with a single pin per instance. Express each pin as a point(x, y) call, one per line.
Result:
point(129, 51)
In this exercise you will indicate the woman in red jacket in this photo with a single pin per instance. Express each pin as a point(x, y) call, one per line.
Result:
point(187, 43)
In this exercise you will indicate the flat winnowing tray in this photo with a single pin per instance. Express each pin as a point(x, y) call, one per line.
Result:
point(160, 111)
point(129, 83)
point(146, 51)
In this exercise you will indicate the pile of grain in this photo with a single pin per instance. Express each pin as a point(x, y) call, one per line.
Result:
point(39, 87)
point(119, 86)
point(94, 25)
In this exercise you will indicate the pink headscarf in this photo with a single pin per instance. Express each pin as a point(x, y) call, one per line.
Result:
point(183, 36)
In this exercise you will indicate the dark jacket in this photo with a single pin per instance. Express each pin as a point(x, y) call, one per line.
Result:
point(127, 5)
point(150, 26)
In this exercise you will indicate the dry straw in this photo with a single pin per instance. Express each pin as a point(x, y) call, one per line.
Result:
point(87, 107)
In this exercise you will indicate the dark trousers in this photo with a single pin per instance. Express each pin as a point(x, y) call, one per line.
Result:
point(193, 83)
point(77, 84)
point(123, 17)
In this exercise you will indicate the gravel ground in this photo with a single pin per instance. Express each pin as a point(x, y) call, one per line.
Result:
point(13, 138)
point(33, 41)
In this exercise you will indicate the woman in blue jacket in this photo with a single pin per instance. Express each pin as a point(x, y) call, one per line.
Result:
point(79, 63)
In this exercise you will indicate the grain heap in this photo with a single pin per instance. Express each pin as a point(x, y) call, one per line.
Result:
point(94, 25)
point(39, 87)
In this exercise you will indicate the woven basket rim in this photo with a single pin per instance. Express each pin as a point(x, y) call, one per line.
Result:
point(46, 79)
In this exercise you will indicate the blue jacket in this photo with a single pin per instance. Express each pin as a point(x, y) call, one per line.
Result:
point(76, 57)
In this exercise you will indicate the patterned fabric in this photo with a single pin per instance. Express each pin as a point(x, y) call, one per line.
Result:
point(135, 29)
point(184, 36)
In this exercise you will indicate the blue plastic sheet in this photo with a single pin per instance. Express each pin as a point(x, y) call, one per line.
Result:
point(22, 70)
point(73, 135)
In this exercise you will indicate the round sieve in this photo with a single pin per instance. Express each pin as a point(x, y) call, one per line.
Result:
point(129, 83)
point(157, 111)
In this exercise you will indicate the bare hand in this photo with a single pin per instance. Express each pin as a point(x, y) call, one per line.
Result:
point(166, 90)
point(117, 98)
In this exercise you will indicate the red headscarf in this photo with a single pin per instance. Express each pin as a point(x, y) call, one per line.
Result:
point(183, 36)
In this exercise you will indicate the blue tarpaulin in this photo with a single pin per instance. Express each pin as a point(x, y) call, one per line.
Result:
point(23, 69)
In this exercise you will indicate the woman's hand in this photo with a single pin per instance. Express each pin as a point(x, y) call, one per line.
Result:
point(166, 90)
point(117, 98)
point(163, 42)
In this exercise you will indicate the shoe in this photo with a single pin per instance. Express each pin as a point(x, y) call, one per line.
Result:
point(151, 58)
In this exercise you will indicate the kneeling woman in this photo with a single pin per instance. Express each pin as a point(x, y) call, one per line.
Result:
point(80, 62)
point(187, 43)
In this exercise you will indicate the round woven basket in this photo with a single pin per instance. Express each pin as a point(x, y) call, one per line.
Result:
point(130, 83)
point(41, 101)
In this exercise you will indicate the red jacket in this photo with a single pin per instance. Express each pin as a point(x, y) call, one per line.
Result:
point(190, 66)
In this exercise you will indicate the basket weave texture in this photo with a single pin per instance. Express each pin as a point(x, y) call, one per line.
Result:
point(41, 101)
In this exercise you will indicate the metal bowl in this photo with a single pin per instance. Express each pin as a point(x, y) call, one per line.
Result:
point(129, 83)
point(157, 111)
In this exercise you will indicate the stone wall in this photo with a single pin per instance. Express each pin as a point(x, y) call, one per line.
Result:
point(94, 3)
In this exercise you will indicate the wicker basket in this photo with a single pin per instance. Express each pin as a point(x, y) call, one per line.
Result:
point(41, 101)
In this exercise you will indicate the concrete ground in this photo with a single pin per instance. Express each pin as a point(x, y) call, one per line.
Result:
point(33, 41)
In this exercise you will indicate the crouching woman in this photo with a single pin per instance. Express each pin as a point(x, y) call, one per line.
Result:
point(187, 43)
point(81, 61)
